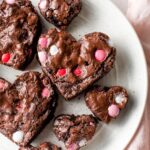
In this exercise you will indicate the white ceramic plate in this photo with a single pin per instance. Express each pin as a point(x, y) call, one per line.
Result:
point(129, 71)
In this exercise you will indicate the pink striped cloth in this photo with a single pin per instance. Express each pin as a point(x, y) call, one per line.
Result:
point(138, 13)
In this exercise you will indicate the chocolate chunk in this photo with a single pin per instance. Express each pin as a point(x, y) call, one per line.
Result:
point(106, 103)
point(75, 65)
point(75, 131)
point(60, 12)
point(24, 109)
point(43, 146)
point(19, 30)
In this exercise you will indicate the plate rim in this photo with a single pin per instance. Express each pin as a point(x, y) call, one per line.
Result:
point(146, 74)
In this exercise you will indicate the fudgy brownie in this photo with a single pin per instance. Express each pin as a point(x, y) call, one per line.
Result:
point(19, 31)
point(26, 106)
point(74, 65)
point(60, 12)
point(4, 85)
point(106, 103)
point(43, 146)
point(75, 131)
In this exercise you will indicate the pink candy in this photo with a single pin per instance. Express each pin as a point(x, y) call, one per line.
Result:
point(61, 72)
point(73, 147)
point(77, 72)
point(2, 84)
point(92, 124)
point(100, 55)
point(113, 111)
point(42, 56)
point(45, 93)
point(10, 1)
point(43, 42)
point(5, 57)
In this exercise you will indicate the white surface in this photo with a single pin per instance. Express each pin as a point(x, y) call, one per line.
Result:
point(130, 72)
point(122, 5)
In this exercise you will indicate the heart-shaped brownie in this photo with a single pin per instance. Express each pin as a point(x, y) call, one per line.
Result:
point(74, 65)
point(43, 146)
point(19, 30)
point(106, 103)
point(75, 131)
point(25, 106)
point(60, 12)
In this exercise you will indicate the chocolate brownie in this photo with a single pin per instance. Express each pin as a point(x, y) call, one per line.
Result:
point(43, 146)
point(4, 85)
point(75, 131)
point(60, 12)
point(26, 106)
point(106, 103)
point(19, 32)
point(74, 65)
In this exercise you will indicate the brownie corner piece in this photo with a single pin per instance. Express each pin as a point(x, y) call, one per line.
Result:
point(106, 103)
point(26, 107)
point(20, 28)
point(42, 146)
point(74, 131)
point(75, 65)
point(60, 12)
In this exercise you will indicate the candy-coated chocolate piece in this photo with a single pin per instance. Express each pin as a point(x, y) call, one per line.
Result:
point(5, 57)
point(43, 42)
point(100, 55)
point(18, 136)
point(42, 56)
point(77, 72)
point(10, 1)
point(43, 4)
point(53, 50)
point(46, 92)
point(61, 72)
point(2, 84)
point(113, 110)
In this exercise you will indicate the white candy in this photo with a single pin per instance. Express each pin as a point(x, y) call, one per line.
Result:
point(83, 142)
point(53, 50)
point(18, 136)
point(120, 98)
point(63, 129)
point(43, 4)
point(10, 1)
point(32, 107)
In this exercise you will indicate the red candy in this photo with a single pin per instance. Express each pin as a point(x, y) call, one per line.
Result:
point(5, 57)
point(61, 72)
point(77, 72)
point(45, 93)
point(100, 55)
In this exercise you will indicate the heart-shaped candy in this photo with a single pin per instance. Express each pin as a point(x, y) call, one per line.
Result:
point(74, 65)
